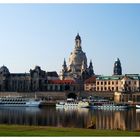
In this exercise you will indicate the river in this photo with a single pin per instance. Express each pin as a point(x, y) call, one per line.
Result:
point(80, 118)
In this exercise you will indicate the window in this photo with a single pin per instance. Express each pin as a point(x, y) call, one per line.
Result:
point(109, 82)
point(101, 83)
point(112, 83)
point(101, 88)
point(105, 82)
point(116, 82)
point(112, 88)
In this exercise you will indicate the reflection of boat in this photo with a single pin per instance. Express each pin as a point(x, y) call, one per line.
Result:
point(19, 102)
point(138, 110)
point(104, 104)
point(72, 104)
point(69, 109)
point(138, 106)
point(20, 109)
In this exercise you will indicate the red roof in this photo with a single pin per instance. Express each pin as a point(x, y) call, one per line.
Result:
point(91, 80)
point(61, 81)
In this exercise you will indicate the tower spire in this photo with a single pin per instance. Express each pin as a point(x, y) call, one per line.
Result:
point(90, 64)
point(64, 66)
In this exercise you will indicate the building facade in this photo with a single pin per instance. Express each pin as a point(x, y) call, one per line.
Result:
point(35, 80)
point(121, 83)
point(62, 85)
point(90, 84)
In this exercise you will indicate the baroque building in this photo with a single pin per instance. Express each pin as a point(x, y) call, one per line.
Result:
point(35, 80)
point(127, 83)
point(77, 68)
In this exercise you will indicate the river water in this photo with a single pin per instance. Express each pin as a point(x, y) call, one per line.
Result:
point(79, 118)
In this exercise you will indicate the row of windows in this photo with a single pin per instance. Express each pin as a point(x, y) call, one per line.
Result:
point(107, 82)
point(129, 82)
point(107, 89)
point(115, 82)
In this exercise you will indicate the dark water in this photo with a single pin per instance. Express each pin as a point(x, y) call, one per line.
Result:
point(50, 116)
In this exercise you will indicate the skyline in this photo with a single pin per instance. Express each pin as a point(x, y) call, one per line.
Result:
point(43, 34)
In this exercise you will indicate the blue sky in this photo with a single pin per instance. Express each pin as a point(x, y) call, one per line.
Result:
point(43, 34)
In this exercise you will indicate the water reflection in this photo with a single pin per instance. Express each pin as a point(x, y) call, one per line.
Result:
point(82, 117)
point(137, 110)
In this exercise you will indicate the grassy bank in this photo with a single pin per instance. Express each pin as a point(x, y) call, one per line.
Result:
point(16, 130)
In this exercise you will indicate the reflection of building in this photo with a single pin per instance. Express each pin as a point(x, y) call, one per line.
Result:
point(77, 68)
point(108, 119)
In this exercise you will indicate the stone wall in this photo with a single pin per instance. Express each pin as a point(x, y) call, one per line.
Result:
point(63, 95)
point(46, 95)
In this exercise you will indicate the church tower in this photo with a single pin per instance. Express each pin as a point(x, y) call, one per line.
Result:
point(90, 69)
point(117, 68)
point(64, 69)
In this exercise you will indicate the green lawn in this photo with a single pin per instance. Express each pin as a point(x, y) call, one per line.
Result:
point(17, 130)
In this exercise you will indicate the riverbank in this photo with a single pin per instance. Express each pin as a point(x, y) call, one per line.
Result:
point(20, 130)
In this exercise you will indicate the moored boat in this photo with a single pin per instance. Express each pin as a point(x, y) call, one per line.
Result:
point(104, 104)
point(19, 102)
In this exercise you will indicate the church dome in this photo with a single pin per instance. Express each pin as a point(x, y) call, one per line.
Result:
point(77, 57)
point(4, 70)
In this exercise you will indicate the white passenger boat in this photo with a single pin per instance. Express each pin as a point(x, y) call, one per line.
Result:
point(104, 104)
point(72, 104)
point(19, 102)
